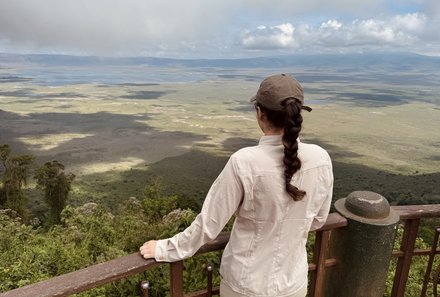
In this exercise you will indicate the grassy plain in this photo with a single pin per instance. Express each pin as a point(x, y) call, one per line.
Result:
point(383, 137)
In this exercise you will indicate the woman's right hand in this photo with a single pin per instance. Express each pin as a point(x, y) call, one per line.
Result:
point(148, 249)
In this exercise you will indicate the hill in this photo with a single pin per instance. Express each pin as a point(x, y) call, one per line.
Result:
point(395, 61)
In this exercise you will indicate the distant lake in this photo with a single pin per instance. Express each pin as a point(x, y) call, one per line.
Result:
point(111, 75)
point(54, 75)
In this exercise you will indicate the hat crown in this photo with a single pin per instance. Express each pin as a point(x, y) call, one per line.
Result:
point(276, 88)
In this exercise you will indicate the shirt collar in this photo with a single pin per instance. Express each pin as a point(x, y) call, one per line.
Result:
point(272, 140)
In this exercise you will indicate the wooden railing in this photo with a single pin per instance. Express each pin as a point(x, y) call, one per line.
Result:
point(412, 215)
point(100, 274)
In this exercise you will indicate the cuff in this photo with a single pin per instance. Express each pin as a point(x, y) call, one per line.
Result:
point(160, 252)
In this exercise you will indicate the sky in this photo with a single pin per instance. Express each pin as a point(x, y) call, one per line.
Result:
point(218, 28)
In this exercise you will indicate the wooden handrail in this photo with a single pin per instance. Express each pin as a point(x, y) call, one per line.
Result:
point(417, 211)
point(86, 278)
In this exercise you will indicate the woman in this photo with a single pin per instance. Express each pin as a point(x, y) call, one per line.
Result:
point(277, 189)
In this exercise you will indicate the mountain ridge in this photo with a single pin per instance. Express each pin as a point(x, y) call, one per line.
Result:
point(400, 61)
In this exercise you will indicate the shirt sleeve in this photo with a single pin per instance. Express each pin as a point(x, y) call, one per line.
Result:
point(221, 202)
point(326, 184)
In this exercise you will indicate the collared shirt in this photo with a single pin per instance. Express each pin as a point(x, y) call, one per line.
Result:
point(266, 254)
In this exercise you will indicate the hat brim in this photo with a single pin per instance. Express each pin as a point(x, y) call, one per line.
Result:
point(305, 107)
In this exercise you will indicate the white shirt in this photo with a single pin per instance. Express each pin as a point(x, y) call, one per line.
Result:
point(266, 254)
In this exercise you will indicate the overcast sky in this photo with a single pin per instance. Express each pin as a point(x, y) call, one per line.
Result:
point(218, 28)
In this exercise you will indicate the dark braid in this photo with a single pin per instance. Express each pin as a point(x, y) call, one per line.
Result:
point(292, 127)
point(290, 118)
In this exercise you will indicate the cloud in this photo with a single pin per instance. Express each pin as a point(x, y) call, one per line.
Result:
point(107, 25)
point(400, 30)
point(201, 28)
point(331, 24)
point(405, 32)
point(274, 37)
point(299, 8)
point(430, 8)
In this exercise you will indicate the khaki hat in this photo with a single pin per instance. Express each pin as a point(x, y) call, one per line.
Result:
point(276, 88)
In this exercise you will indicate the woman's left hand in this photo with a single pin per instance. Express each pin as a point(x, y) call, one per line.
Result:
point(148, 249)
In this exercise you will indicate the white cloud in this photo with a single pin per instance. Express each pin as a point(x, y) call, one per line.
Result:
point(331, 24)
point(373, 30)
point(400, 30)
point(411, 22)
point(273, 37)
point(405, 32)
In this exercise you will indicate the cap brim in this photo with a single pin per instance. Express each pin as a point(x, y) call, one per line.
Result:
point(305, 107)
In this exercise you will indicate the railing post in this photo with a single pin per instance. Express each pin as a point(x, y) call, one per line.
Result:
point(319, 257)
point(404, 263)
point(209, 269)
point(144, 288)
point(362, 249)
point(176, 279)
point(430, 261)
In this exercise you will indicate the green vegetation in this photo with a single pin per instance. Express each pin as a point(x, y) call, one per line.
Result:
point(50, 177)
point(56, 185)
point(91, 234)
point(15, 173)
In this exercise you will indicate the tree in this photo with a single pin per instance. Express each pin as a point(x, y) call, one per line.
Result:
point(155, 204)
point(56, 185)
point(4, 155)
point(15, 171)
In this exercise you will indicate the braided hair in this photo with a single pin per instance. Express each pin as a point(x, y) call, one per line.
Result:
point(290, 119)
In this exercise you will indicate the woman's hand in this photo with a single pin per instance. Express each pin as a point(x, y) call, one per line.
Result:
point(148, 249)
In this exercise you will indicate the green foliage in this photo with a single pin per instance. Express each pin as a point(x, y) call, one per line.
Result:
point(156, 205)
point(195, 274)
point(91, 234)
point(15, 172)
point(56, 185)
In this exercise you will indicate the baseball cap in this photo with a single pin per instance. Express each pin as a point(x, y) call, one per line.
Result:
point(276, 88)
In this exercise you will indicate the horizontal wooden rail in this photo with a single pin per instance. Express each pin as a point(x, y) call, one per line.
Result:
point(417, 211)
point(416, 252)
point(85, 279)
point(334, 220)
point(328, 263)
